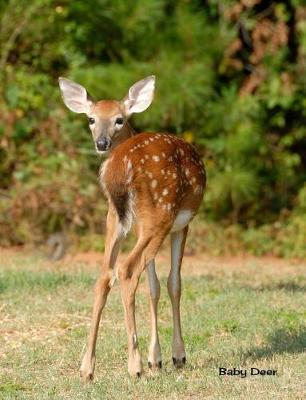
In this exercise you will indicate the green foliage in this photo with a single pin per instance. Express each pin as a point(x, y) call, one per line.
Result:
point(240, 96)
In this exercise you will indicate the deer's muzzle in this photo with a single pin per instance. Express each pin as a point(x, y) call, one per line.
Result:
point(103, 143)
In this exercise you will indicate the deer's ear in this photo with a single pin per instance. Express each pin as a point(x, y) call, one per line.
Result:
point(140, 96)
point(75, 96)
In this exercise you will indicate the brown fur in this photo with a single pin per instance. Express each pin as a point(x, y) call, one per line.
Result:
point(154, 180)
point(175, 156)
point(148, 178)
point(107, 108)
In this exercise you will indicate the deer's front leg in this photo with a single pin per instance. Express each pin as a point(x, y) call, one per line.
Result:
point(102, 288)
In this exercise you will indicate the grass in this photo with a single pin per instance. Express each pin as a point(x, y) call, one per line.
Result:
point(239, 313)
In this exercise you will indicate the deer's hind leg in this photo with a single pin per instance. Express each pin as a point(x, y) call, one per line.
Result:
point(154, 358)
point(129, 272)
point(178, 240)
point(103, 285)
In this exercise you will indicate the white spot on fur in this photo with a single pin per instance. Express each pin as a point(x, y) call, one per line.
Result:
point(165, 192)
point(142, 161)
point(129, 170)
point(162, 172)
point(155, 158)
point(154, 183)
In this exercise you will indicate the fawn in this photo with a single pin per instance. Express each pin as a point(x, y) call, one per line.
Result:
point(154, 180)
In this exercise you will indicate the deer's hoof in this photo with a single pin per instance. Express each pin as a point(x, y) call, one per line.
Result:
point(179, 362)
point(86, 376)
point(157, 365)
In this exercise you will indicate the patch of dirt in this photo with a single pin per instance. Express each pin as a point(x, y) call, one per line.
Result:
point(193, 264)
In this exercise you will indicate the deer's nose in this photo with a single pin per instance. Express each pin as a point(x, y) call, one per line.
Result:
point(103, 143)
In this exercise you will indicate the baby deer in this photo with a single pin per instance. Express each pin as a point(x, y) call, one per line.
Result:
point(154, 180)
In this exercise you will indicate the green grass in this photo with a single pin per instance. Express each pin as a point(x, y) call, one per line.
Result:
point(249, 315)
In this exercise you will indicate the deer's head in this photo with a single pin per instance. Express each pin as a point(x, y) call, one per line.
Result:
point(108, 118)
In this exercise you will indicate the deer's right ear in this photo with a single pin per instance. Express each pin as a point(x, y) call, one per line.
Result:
point(75, 96)
point(140, 96)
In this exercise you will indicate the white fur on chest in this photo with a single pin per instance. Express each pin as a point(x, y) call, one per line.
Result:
point(101, 177)
point(182, 219)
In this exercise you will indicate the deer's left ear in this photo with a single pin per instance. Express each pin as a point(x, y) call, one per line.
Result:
point(75, 96)
point(140, 96)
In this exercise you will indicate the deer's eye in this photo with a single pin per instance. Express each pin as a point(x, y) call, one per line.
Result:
point(119, 121)
point(91, 121)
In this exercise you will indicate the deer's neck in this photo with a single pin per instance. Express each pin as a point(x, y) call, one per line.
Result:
point(126, 132)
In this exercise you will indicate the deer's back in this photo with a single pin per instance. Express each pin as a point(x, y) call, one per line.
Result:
point(154, 176)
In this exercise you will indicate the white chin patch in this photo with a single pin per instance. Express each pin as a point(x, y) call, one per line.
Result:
point(101, 151)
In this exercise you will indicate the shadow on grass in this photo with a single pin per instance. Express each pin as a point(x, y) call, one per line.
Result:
point(279, 342)
point(290, 287)
point(287, 286)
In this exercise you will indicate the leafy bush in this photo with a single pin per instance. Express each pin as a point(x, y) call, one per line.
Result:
point(230, 77)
